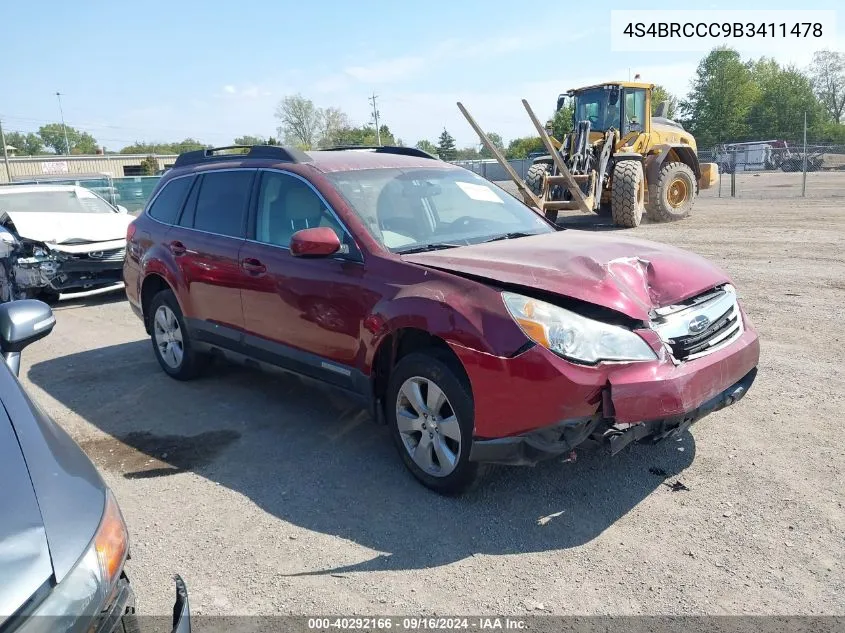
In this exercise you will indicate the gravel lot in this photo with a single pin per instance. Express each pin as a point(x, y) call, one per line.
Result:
point(271, 496)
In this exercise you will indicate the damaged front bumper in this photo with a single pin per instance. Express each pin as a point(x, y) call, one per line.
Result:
point(536, 405)
point(560, 439)
point(52, 269)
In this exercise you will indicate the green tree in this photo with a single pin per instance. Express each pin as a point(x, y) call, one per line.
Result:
point(446, 146)
point(562, 121)
point(659, 94)
point(471, 153)
point(273, 141)
point(427, 146)
point(364, 135)
point(723, 93)
point(249, 139)
point(150, 166)
point(53, 136)
point(333, 121)
point(827, 74)
point(497, 141)
point(25, 144)
point(187, 145)
point(521, 147)
point(300, 121)
point(785, 95)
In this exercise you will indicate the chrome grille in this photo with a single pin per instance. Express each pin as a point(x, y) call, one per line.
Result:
point(111, 255)
point(701, 325)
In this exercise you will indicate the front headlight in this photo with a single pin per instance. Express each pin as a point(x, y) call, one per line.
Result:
point(84, 592)
point(573, 336)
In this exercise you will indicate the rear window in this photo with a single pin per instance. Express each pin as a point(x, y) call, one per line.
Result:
point(166, 206)
point(75, 201)
point(222, 202)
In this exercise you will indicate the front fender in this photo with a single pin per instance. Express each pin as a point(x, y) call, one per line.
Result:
point(655, 161)
point(466, 314)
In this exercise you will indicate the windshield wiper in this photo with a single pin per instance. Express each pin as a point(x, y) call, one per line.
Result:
point(509, 236)
point(427, 247)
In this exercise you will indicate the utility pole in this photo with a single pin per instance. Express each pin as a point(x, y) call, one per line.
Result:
point(804, 166)
point(5, 153)
point(375, 117)
point(64, 128)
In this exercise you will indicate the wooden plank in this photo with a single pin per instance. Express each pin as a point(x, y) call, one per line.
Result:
point(574, 189)
point(527, 195)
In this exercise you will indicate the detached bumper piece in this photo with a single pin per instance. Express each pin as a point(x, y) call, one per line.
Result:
point(181, 608)
point(546, 443)
point(536, 446)
point(660, 429)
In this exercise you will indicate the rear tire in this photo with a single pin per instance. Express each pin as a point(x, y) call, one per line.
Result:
point(673, 194)
point(627, 194)
point(424, 388)
point(172, 344)
point(535, 176)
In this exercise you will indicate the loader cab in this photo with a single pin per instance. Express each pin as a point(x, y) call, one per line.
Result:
point(624, 108)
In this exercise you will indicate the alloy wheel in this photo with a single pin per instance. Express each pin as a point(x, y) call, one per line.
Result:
point(428, 426)
point(168, 337)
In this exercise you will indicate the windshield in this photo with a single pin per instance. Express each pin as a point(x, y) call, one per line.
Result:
point(75, 201)
point(599, 106)
point(411, 209)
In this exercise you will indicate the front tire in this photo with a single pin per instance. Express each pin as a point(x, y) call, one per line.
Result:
point(627, 194)
point(535, 176)
point(430, 411)
point(172, 344)
point(673, 194)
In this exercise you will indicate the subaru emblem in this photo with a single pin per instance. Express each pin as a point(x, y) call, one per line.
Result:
point(698, 324)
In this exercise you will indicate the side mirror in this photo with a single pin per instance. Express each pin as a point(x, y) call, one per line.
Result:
point(662, 109)
point(22, 323)
point(561, 101)
point(121, 209)
point(320, 241)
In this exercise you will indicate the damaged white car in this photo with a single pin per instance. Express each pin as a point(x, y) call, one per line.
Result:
point(59, 239)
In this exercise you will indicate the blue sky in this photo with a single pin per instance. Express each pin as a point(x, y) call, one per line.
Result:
point(214, 70)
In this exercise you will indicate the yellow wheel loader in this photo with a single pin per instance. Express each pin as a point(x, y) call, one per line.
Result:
point(634, 162)
point(617, 161)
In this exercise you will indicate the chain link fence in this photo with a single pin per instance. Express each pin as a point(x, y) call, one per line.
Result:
point(775, 169)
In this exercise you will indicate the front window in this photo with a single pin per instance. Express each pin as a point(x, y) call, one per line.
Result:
point(599, 106)
point(416, 209)
point(75, 201)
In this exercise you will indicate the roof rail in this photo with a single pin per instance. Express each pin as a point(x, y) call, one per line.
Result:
point(282, 154)
point(384, 149)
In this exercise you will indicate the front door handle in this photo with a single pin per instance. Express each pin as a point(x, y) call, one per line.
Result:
point(253, 266)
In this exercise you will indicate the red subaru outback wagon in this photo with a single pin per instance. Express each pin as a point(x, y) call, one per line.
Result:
point(476, 329)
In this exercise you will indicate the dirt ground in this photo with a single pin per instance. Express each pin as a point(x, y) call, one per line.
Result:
point(270, 496)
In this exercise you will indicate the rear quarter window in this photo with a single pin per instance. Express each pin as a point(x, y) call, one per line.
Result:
point(167, 204)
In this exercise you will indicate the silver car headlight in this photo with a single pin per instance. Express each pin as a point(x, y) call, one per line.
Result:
point(85, 591)
point(573, 336)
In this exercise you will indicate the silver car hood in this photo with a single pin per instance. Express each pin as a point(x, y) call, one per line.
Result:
point(64, 493)
point(24, 554)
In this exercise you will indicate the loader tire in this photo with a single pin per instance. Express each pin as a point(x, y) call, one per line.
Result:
point(627, 195)
point(672, 195)
point(535, 176)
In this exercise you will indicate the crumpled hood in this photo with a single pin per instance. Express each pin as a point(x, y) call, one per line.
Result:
point(629, 275)
point(61, 227)
point(24, 553)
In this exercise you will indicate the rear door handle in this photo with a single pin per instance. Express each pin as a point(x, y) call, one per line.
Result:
point(253, 266)
point(177, 248)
